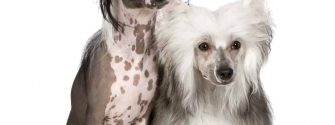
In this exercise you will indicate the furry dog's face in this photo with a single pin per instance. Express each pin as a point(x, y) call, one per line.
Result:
point(215, 61)
point(224, 47)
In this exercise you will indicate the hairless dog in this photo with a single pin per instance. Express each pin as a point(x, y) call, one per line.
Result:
point(117, 78)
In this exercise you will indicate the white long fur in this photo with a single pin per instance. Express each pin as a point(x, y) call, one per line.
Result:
point(245, 20)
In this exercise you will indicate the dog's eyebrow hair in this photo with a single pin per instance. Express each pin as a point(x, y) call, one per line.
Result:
point(206, 37)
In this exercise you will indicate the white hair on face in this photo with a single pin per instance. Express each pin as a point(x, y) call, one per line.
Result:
point(183, 84)
point(249, 21)
point(242, 20)
point(177, 48)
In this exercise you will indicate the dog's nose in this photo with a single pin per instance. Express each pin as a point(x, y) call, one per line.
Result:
point(225, 73)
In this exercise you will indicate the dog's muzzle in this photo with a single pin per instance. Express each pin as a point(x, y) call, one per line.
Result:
point(224, 75)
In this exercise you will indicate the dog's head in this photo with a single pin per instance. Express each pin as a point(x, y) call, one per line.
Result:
point(238, 44)
point(224, 46)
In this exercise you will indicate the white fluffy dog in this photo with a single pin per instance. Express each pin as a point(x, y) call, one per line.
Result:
point(210, 65)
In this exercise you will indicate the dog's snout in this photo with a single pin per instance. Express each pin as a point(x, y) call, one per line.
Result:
point(225, 73)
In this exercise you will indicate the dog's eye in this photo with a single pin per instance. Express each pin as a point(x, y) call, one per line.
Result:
point(204, 46)
point(236, 45)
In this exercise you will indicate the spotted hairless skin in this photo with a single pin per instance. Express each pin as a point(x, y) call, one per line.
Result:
point(117, 78)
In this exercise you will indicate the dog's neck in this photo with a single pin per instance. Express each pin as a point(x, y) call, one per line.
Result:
point(136, 26)
point(131, 17)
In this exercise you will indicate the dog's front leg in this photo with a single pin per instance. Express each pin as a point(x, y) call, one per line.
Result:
point(100, 78)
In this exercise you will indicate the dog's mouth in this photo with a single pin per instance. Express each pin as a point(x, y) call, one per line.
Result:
point(205, 77)
point(213, 78)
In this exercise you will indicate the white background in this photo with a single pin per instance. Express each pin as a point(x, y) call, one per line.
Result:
point(41, 43)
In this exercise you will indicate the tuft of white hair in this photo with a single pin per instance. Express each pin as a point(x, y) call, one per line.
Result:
point(177, 50)
point(250, 21)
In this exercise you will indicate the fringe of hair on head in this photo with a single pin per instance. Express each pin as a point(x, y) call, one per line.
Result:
point(105, 7)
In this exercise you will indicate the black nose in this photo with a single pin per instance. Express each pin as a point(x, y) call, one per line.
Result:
point(225, 73)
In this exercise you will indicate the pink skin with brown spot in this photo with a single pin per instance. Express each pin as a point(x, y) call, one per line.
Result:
point(131, 45)
point(119, 81)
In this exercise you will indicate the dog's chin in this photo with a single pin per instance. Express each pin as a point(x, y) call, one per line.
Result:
point(222, 83)
point(215, 82)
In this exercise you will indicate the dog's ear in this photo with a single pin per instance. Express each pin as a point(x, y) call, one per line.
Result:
point(258, 5)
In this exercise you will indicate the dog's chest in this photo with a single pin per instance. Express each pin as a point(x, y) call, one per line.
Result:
point(134, 88)
point(204, 118)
